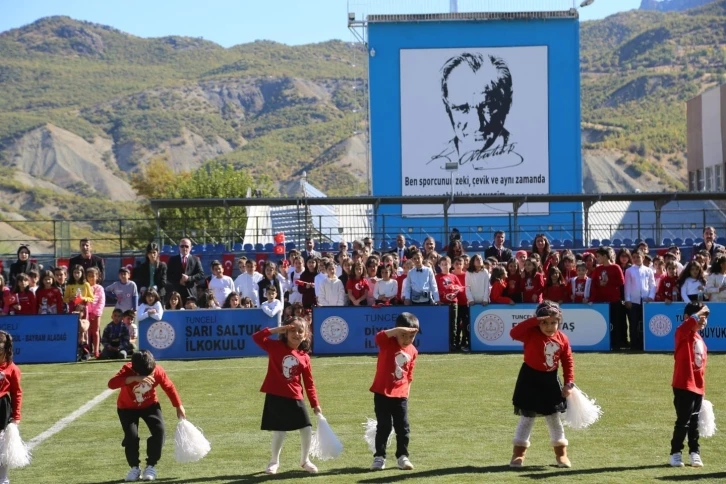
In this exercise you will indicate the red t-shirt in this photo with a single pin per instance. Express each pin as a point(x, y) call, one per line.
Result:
point(139, 395)
point(569, 274)
point(461, 297)
point(560, 292)
point(606, 284)
point(53, 300)
point(580, 284)
point(690, 356)
point(26, 299)
point(10, 383)
point(394, 370)
point(285, 367)
point(400, 280)
point(449, 288)
point(514, 284)
point(542, 352)
point(497, 293)
point(358, 287)
point(668, 289)
point(532, 286)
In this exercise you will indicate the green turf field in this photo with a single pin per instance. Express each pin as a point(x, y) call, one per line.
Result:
point(460, 414)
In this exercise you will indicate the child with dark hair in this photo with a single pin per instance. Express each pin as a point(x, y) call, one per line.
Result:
point(288, 364)
point(668, 291)
point(116, 339)
point(607, 282)
point(137, 400)
point(48, 297)
point(692, 282)
point(391, 385)
point(151, 307)
point(128, 317)
point(272, 307)
point(232, 301)
point(580, 285)
point(532, 281)
point(246, 303)
point(555, 287)
point(175, 302)
point(538, 390)
point(11, 393)
point(689, 382)
point(124, 290)
point(95, 309)
point(498, 292)
point(23, 298)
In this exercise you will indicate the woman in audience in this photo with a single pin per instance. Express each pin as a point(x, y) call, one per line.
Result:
point(151, 274)
point(21, 266)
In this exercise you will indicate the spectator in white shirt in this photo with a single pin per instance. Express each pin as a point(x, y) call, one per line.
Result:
point(293, 275)
point(716, 282)
point(692, 282)
point(639, 288)
point(320, 276)
point(386, 289)
point(419, 287)
point(220, 284)
point(151, 307)
point(331, 290)
point(246, 284)
point(273, 306)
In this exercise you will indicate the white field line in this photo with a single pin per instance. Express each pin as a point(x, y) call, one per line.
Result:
point(67, 420)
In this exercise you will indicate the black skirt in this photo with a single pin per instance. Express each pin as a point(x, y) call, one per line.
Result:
point(6, 411)
point(284, 414)
point(537, 393)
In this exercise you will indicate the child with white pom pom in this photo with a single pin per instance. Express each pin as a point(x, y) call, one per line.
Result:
point(137, 400)
point(11, 394)
point(538, 390)
point(689, 374)
point(284, 409)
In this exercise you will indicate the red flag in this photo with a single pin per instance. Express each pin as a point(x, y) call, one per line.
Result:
point(261, 259)
point(164, 258)
point(63, 262)
point(228, 264)
point(129, 263)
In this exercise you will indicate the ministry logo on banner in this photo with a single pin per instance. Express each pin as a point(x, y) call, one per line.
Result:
point(485, 109)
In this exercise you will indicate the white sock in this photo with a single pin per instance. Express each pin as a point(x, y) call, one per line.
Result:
point(306, 439)
point(557, 431)
point(277, 438)
point(523, 431)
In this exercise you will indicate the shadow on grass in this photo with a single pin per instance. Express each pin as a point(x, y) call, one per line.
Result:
point(447, 471)
point(596, 470)
point(693, 477)
point(261, 476)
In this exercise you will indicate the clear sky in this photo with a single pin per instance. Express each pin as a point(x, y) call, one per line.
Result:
point(230, 22)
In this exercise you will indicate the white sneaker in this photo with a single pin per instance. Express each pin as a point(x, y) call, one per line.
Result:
point(696, 460)
point(133, 475)
point(379, 463)
point(310, 467)
point(272, 468)
point(676, 460)
point(149, 474)
point(404, 463)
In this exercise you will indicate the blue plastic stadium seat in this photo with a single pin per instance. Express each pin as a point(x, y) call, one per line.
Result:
point(628, 242)
point(666, 242)
point(325, 246)
point(384, 245)
point(557, 244)
point(595, 243)
point(525, 244)
point(485, 244)
point(605, 242)
point(568, 244)
point(637, 241)
point(211, 248)
point(166, 249)
point(269, 247)
point(259, 247)
point(617, 243)
point(237, 247)
point(678, 241)
point(698, 240)
point(289, 246)
point(721, 241)
point(198, 249)
point(650, 242)
point(248, 248)
point(688, 241)
point(221, 248)
point(465, 244)
point(475, 245)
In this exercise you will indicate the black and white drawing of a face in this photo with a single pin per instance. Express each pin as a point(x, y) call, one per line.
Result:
point(477, 93)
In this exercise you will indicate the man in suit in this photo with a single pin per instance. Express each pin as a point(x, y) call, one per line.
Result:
point(86, 259)
point(310, 249)
point(401, 248)
point(709, 242)
point(498, 251)
point(184, 271)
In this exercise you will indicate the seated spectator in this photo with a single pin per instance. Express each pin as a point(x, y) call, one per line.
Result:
point(128, 317)
point(116, 339)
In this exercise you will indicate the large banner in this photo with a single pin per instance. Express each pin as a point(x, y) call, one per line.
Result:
point(483, 108)
point(352, 330)
point(587, 326)
point(660, 321)
point(204, 333)
point(43, 339)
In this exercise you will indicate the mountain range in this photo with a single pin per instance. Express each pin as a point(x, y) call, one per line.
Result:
point(83, 107)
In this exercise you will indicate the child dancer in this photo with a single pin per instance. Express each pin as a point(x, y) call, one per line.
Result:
point(137, 400)
point(538, 390)
point(284, 406)
point(391, 385)
point(689, 382)
point(11, 394)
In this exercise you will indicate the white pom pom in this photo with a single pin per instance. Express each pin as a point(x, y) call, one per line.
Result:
point(369, 436)
point(190, 445)
point(581, 410)
point(13, 451)
point(706, 420)
point(325, 444)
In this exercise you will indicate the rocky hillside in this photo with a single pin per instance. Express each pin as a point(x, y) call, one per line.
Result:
point(672, 5)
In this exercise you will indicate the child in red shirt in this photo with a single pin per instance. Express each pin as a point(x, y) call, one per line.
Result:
point(48, 298)
point(606, 287)
point(288, 363)
point(449, 290)
point(499, 286)
point(538, 390)
point(555, 288)
point(391, 385)
point(137, 400)
point(514, 280)
point(11, 394)
point(580, 285)
point(357, 286)
point(668, 285)
point(462, 323)
point(24, 299)
point(689, 382)
point(532, 282)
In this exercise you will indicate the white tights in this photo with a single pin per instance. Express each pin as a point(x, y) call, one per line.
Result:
point(554, 426)
point(306, 438)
